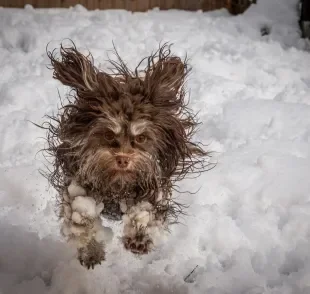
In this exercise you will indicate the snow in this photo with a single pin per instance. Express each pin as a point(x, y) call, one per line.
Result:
point(75, 190)
point(85, 206)
point(248, 226)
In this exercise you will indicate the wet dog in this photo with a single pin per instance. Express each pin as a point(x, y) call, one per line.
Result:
point(119, 144)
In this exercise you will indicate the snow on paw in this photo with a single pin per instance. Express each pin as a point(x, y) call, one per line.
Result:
point(75, 190)
point(81, 220)
point(139, 244)
point(138, 216)
point(91, 254)
point(85, 206)
point(71, 229)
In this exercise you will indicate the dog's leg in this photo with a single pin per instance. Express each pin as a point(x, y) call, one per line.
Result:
point(144, 227)
point(82, 225)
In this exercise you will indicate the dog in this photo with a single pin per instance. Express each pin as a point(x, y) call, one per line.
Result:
point(119, 144)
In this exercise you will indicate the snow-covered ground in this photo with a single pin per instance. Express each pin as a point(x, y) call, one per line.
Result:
point(248, 227)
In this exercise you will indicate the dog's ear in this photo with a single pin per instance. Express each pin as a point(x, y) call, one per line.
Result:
point(169, 74)
point(74, 69)
point(165, 79)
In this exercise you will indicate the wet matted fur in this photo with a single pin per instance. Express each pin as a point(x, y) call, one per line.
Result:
point(119, 144)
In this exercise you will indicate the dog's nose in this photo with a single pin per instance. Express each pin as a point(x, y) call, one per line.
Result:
point(122, 161)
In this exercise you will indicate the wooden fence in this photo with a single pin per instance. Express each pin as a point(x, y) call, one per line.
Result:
point(234, 6)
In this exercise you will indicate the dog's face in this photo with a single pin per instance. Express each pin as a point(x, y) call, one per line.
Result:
point(122, 146)
point(123, 130)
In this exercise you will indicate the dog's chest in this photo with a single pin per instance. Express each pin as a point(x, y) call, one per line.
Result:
point(115, 206)
point(112, 210)
point(118, 204)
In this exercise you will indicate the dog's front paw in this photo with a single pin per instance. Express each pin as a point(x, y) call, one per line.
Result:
point(139, 244)
point(92, 254)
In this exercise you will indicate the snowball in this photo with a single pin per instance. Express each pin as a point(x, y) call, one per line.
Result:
point(144, 205)
point(77, 230)
point(76, 217)
point(142, 218)
point(75, 190)
point(86, 206)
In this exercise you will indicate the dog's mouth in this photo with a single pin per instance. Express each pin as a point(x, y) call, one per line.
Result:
point(120, 179)
point(123, 174)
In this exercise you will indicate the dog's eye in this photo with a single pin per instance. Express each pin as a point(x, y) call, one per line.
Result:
point(109, 135)
point(141, 139)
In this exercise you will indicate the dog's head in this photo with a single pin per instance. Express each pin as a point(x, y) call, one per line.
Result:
point(123, 129)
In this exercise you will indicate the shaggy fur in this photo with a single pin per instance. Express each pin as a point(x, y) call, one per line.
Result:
point(122, 140)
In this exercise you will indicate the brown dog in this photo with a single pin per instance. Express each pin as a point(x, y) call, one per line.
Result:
point(119, 145)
